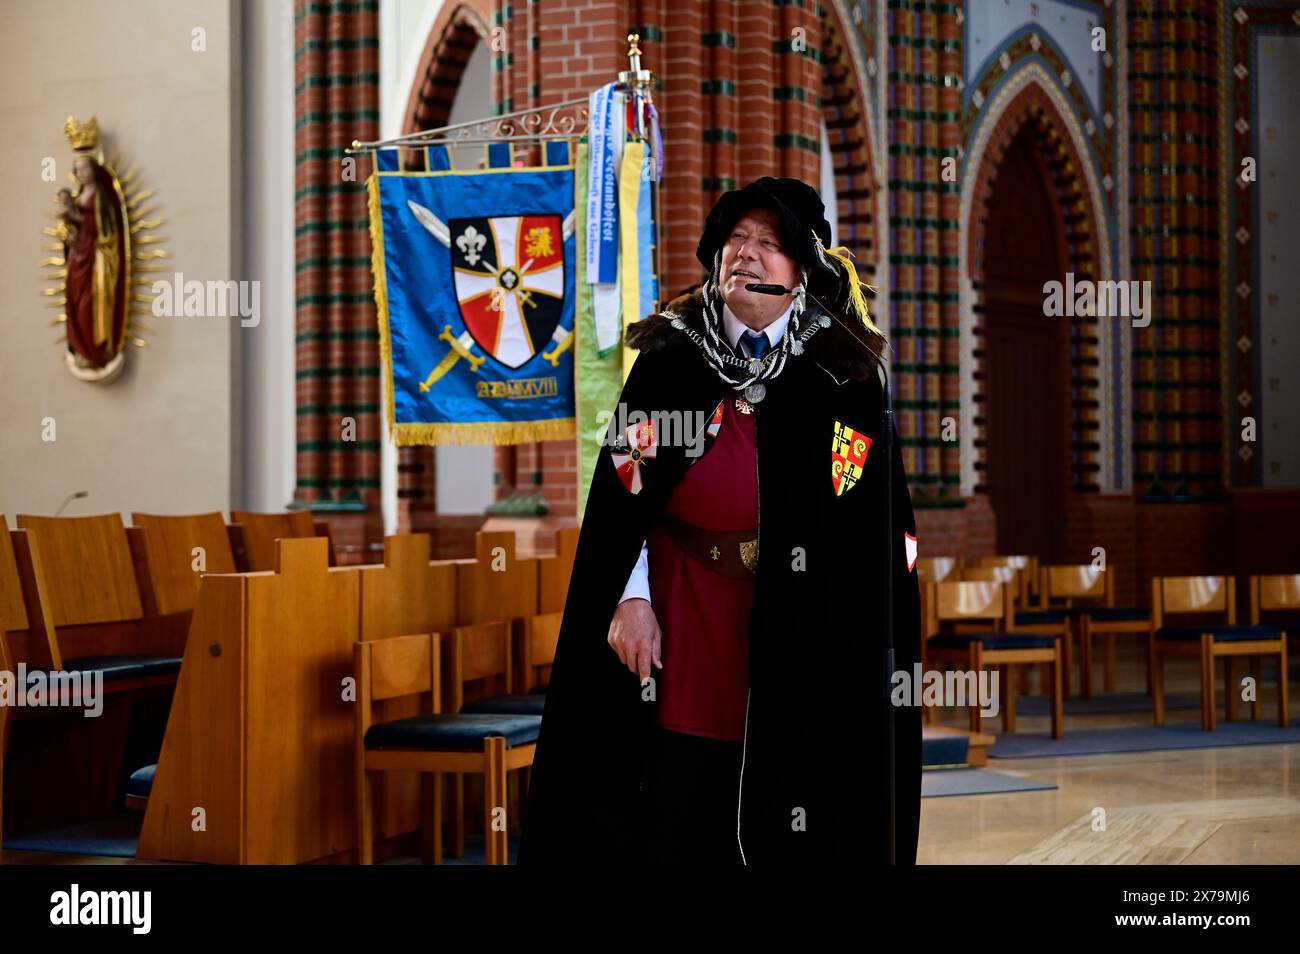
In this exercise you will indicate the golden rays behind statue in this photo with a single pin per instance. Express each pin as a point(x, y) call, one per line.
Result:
point(102, 232)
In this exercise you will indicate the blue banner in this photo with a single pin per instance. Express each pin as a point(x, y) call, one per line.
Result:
point(474, 282)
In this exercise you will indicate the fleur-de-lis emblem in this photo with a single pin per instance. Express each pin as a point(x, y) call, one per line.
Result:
point(471, 242)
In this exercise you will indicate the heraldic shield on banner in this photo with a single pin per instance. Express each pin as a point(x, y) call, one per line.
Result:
point(509, 282)
point(474, 282)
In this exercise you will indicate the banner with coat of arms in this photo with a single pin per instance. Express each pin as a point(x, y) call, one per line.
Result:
point(474, 283)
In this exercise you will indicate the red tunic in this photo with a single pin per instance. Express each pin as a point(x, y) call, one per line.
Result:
point(703, 615)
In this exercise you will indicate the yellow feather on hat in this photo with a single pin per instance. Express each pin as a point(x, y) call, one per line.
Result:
point(857, 301)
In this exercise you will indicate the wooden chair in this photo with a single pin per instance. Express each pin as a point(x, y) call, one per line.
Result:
point(433, 742)
point(256, 534)
point(407, 593)
point(1053, 621)
point(964, 603)
point(1277, 593)
point(1084, 582)
point(1210, 595)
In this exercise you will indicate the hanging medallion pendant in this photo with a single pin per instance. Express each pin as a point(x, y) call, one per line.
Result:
point(755, 392)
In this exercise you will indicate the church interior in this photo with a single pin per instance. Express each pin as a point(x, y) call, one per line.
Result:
point(1073, 218)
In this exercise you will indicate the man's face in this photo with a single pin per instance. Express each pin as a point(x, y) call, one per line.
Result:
point(753, 253)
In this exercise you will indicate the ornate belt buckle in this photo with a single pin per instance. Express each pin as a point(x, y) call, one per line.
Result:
point(749, 555)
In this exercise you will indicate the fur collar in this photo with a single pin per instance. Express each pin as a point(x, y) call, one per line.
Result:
point(834, 349)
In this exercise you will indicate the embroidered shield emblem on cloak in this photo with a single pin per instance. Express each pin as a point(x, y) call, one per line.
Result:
point(641, 446)
point(848, 457)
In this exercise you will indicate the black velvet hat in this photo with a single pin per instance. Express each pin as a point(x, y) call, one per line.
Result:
point(798, 207)
point(805, 237)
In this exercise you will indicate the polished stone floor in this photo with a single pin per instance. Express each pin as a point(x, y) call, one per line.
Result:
point(1238, 805)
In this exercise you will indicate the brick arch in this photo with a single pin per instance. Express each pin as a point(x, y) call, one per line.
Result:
point(843, 107)
point(457, 30)
point(1084, 242)
point(1032, 105)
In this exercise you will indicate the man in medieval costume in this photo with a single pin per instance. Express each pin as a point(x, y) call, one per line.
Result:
point(720, 686)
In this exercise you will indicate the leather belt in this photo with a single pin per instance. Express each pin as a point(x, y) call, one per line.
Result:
point(731, 554)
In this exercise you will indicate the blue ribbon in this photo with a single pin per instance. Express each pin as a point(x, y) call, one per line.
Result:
point(602, 189)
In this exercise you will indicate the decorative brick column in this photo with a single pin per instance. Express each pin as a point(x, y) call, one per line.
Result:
point(336, 71)
point(1173, 109)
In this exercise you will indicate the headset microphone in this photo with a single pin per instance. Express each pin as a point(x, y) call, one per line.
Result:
point(769, 289)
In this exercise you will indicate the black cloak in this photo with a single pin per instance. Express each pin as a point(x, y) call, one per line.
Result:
point(813, 783)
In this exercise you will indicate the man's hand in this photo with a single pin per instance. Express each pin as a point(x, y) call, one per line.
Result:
point(634, 635)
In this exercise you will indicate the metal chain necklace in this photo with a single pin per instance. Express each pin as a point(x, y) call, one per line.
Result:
point(747, 374)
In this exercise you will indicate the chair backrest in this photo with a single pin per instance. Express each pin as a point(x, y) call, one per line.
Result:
point(1271, 592)
point(937, 569)
point(1078, 582)
point(1023, 562)
point(972, 601)
point(398, 666)
point(261, 530)
point(541, 634)
point(996, 573)
point(1193, 594)
point(479, 652)
point(180, 550)
point(85, 566)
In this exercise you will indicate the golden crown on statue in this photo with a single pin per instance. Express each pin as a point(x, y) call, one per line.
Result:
point(82, 136)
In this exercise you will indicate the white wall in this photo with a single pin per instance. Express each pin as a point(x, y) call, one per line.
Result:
point(265, 397)
point(160, 437)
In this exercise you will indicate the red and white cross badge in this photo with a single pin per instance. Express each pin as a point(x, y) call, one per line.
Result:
point(641, 447)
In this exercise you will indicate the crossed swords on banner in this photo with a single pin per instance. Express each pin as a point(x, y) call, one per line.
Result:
point(463, 346)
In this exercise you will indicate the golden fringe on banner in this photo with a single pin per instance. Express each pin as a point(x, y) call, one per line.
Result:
point(446, 432)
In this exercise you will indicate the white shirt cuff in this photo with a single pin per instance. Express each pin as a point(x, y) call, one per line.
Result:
point(638, 582)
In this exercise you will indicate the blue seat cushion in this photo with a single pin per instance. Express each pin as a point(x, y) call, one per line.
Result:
point(531, 704)
point(1221, 634)
point(1042, 617)
point(124, 667)
point(458, 733)
point(1112, 614)
point(141, 781)
point(993, 640)
point(1036, 600)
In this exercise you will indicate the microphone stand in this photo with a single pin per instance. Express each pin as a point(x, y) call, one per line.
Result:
point(887, 439)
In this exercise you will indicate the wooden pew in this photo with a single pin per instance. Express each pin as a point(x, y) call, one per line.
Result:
point(554, 572)
point(496, 585)
point(405, 595)
point(254, 535)
point(260, 735)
